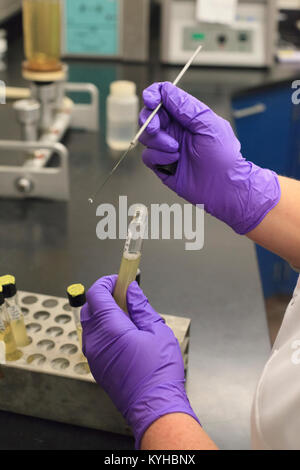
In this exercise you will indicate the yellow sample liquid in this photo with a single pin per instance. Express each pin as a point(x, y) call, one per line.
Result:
point(127, 274)
point(11, 351)
point(19, 332)
point(42, 34)
point(79, 334)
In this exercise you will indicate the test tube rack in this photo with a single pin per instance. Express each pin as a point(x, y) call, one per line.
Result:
point(51, 379)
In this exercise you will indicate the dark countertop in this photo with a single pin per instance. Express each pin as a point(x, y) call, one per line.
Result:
point(49, 245)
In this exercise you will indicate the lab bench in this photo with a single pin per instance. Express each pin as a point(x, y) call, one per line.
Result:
point(49, 245)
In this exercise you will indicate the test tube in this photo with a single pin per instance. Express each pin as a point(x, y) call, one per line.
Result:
point(6, 335)
point(77, 298)
point(14, 311)
point(131, 255)
point(42, 34)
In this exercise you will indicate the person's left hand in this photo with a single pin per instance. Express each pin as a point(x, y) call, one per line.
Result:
point(136, 360)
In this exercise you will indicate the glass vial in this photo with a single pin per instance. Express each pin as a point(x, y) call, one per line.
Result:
point(77, 299)
point(14, 311)
point(8, 345)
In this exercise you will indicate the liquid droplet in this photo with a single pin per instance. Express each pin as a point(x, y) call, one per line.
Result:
point(91, 201)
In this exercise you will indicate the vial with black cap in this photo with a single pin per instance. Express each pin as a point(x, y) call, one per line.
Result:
point(8, 347)
point(77, 298)
point(14, 311)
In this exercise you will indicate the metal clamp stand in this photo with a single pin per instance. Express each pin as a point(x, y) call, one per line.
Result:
point(44, 119)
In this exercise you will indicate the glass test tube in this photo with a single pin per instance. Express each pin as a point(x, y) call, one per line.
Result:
point(77, 298)
point(14, 311)
point(131, 255)
point(6, 335)
point(42, 34)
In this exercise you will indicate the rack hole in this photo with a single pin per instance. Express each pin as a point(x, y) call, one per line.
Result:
point(36, 359)
point(62, 319)
point(67, 307)
point(60, 363)
point(33, 327)
point(54, 331)
point(46, 344)
point(68, 349)
point(29, 300)
point(73, 335)
point(42, 315)
point(25, 311)
point(82, 368)
point(50, 303)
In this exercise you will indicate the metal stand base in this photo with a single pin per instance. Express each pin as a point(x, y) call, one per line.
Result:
point(40, 182)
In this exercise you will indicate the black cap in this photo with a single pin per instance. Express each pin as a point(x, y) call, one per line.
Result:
point(76, 295)
point(8, 283)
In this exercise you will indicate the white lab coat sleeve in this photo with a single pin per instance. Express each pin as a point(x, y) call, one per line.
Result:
point(275, 417)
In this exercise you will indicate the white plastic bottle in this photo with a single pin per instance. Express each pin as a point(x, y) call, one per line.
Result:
point(122, 114)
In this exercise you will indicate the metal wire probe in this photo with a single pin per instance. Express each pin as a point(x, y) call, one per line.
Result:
point(140, 132)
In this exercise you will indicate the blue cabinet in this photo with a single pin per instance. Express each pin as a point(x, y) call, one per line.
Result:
point(268, 126)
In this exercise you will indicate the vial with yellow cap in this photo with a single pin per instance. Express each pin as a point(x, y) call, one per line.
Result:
point(122, 114)
point(42, 34)
point(8, 347)
point(14, 311)
point(77, 298)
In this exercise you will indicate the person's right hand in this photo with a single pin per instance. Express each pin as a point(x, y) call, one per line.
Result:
point(211, 169)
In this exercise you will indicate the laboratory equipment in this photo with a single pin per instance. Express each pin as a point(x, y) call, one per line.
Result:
point(248, 42)
point(122, 114)
point(77, 298)
point(55, 380)
point(9, 351)
point(168, 169)
point(42, 30)
point(114, 29)
point(46, 112)
point(289, 33)
point(131, 255)
point(15, 314)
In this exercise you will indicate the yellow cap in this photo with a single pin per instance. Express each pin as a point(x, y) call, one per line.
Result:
point(7, 279)
point(75, 289)
point(76, 294)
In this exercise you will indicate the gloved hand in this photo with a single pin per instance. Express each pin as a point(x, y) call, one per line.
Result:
point(211, 169)
point(136, 360)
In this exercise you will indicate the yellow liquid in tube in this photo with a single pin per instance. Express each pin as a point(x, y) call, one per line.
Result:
point(127, 274)
point(11, 351)
point(42, 34)
point(79, 334)
point(19, 332)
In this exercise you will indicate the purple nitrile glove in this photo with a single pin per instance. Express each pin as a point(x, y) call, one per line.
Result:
point(211, 169)
point(136, 360)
